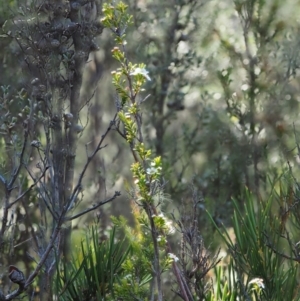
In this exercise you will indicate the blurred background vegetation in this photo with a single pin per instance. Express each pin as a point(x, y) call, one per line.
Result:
point(221, 108)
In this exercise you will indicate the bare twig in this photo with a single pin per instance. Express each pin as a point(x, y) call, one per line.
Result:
point(77, 188)
point(18, 168)
point(269, 245)
point(117, 193)
point(28, 189)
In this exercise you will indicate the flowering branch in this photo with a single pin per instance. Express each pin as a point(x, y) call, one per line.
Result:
point(128, 81)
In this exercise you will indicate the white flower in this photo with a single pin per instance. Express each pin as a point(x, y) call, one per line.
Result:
point(170, 228)
point(173, 257)
point(141, 71)
point(245, 87)
point(259, 282)
point(151, 171)
point(168, 225)
point(35, 143)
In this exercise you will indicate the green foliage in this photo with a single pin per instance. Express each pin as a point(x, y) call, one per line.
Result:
point(260, 271)
point(94, 272)
point(137, 266)
point(137, 281)
point(146, 171)
point(116, 17)
point(223, 290)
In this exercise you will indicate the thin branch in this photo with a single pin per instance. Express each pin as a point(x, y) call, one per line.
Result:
point(54, 214)
point(47, 251)
point(182, 284)
point(26, 191)
point(117, 193)
point(17, 169)
point(2, 179)
point(39, 266)
point(269, 245)
point(90, 158)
